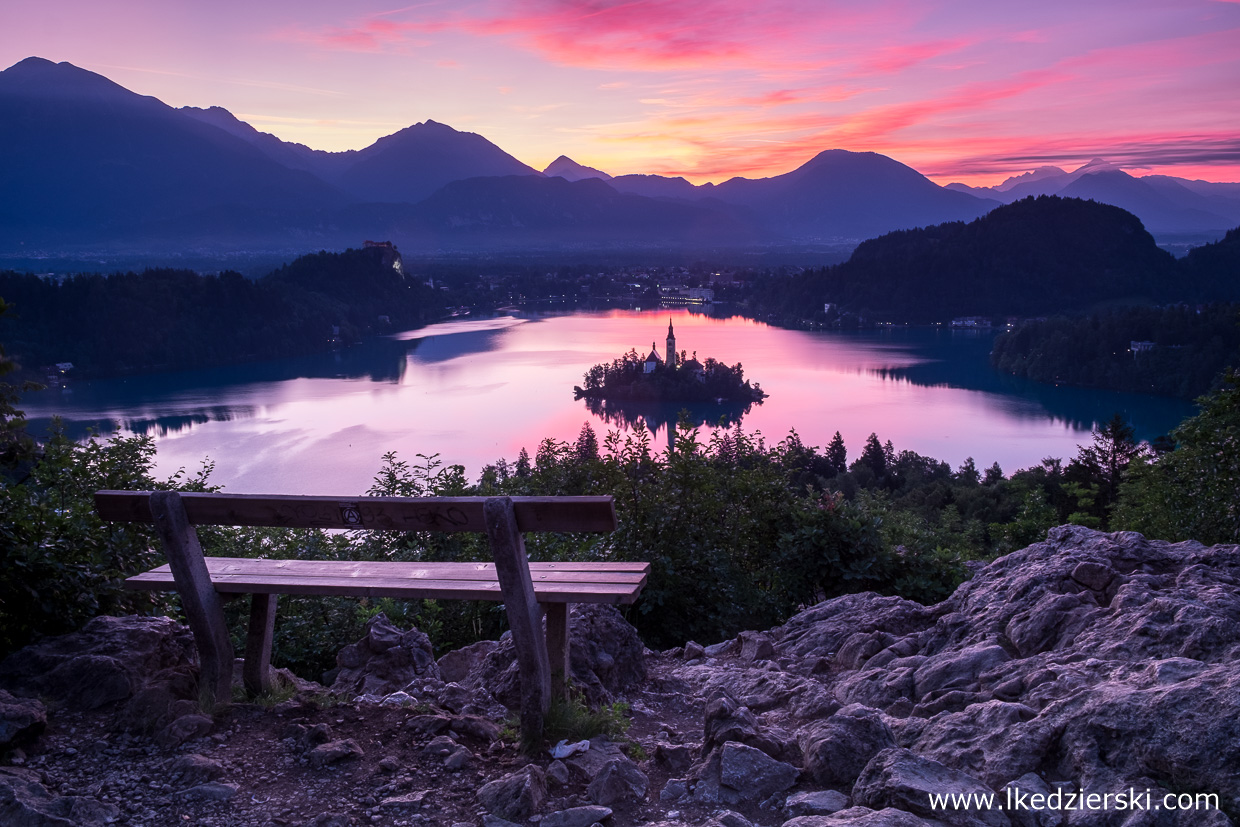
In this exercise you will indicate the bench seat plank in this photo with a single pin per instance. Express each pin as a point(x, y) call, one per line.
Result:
point(388, 586)
point(584, 572)
point(448, 514)
point(401, 571)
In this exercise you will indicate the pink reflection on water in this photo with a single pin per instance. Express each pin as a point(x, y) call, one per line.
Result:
point(475, 391)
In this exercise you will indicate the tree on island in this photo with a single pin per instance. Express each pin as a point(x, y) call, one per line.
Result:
point(633, 378)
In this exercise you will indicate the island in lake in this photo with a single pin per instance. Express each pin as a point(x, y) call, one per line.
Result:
point(677, 378)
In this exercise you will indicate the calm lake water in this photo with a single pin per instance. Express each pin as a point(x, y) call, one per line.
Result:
point(476, 390)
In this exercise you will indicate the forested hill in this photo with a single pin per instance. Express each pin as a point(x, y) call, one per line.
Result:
point(1215, 268)
point(172, 319)
point(1034, 257)
point(1182, 350)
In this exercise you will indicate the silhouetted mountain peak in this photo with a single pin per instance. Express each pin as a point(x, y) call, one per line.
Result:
point(39, 78)
point(1033, 175)
point(568, 169)
point(1096, 165)
point(220, 117)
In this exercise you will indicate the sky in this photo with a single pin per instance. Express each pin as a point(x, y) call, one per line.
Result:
point(961, 90)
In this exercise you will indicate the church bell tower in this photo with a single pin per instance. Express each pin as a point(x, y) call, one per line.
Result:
point(671, 345)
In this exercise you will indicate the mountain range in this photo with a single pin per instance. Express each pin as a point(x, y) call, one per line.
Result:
point(86, 163)
point(1163, 203)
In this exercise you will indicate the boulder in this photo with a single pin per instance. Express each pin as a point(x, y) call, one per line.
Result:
point(756, 646)
point(605, 657)
point(185, 728)
point(744, 768)
point(386, 660)
point(619, 781)
point(898, 778)
point(837, 749)
point(586, 766)
point(211, 791)
point(576, 817)
point(516, 796)
point(960, 670)
point(456, 666)
point(24, 802)
point(21, 720)
point(192, 770)
point(726, 720)
point(107, 661)
point(816, 803)
point(739, 774)
point(861, 817)
point(333, 752)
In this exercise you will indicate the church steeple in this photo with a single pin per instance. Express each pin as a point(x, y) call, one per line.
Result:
point(671, 345)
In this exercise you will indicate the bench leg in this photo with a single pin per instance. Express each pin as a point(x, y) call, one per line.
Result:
point(557, 648)
point(512, 570)
point(256, 674)
point(198, 596)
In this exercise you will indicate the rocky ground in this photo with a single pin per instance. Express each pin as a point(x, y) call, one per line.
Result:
point(1090, 664)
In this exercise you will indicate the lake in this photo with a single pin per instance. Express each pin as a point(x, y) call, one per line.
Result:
point(476, 390)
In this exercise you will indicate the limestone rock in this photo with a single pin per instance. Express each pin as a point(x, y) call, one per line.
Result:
point(674, 790)
point(1030, 785)
point(441, 746)
point(756, 646)
point(861, 817)
point(576, 817)
point(333, 752)
point(676, 757)
point(25, 802)
point(586, 766)
point(409, 801)
point(605, 657)
point(729, 818)
point(107, 661)
point(185, 728)
point(739, 774)
point(385, 661)
point(456, 666)
point(837, 749)
point(744, 768)
point(21, 720)
point(192, 770)
point(816, 803)
point(428, 724)
point(619, 781)
point(726, 720)
point(515, 796)
point(211, 791)
point(475, 727)
point(898, 778)
point(958, 670)
point(557, 774)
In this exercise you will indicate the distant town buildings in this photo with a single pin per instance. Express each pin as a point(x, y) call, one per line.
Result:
point(674, 294)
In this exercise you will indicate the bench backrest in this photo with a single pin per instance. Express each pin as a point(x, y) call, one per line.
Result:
point(586, 514)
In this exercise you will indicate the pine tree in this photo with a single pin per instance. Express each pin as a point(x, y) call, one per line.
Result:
point(837, 455)
point(873, 456)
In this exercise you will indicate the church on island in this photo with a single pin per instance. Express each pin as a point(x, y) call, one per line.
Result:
point(654, 360)
point(671, 377)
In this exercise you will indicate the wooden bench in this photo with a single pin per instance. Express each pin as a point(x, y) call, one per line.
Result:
point(528, 589)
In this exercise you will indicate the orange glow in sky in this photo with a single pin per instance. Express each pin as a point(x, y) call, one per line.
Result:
point(961, 90)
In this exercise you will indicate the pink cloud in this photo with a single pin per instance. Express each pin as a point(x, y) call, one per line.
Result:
point(897, 58)
point(631, 34)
